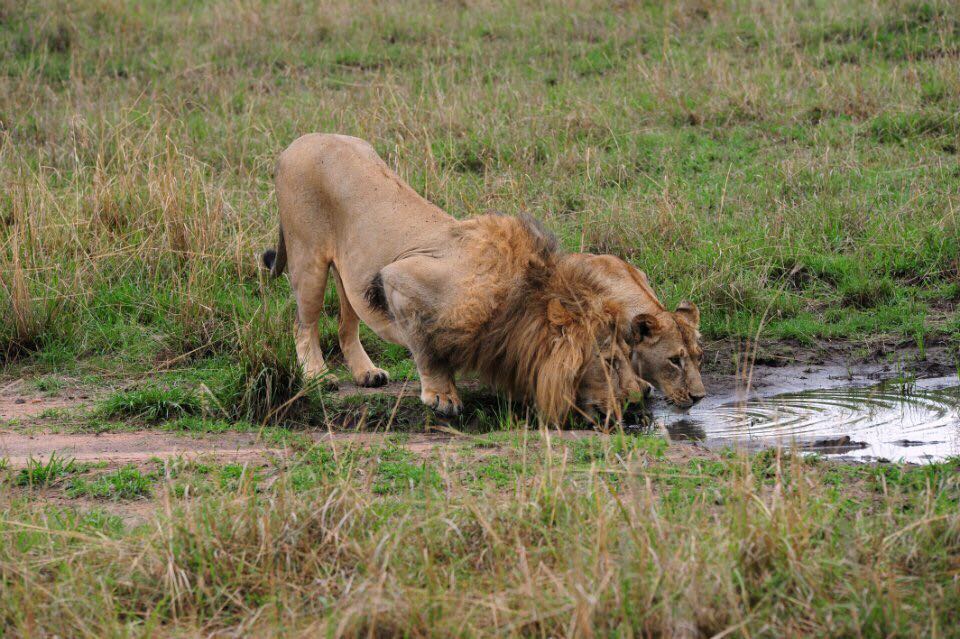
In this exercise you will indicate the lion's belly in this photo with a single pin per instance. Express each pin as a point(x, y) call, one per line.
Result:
point(388, 331)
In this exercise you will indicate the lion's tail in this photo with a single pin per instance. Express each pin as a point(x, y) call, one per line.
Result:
point(276, 260)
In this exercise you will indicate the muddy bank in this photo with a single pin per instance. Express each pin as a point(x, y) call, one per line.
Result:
point(731, 366)
point(776, 394)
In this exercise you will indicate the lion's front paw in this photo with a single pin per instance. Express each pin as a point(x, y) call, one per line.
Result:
point(445, 404)
point(372, 378)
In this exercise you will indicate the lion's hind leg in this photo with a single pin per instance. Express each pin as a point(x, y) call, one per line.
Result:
point(309, 287)
point(364, 372)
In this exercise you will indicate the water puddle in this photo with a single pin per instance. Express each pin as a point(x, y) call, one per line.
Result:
point(916, 422)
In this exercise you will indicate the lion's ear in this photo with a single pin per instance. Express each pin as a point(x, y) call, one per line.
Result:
point(644, 325)
point(689, 312)
point(557, 314)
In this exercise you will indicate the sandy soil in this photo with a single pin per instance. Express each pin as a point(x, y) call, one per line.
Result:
point(128, 447)
point(18, 401)
point(139, 447)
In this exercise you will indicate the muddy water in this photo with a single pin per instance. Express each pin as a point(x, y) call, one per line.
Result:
point(917, 422)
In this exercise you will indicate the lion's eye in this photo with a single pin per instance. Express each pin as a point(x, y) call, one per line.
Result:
point(675, 360)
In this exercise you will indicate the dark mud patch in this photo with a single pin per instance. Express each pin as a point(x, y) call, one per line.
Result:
point(730, 366)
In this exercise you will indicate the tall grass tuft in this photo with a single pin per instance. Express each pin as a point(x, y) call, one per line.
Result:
point(272, 385)
point(26, 317)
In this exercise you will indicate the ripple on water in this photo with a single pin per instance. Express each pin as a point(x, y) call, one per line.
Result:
point(918, 422)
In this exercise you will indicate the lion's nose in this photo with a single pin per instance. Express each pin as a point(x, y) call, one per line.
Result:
point(696, 397)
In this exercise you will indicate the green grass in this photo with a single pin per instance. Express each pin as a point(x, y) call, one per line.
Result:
point(192, 424)
point(591, 449)
point(48, 384)
point(236, 476)
point(40, 473)
point(790, 167)
point(151, 404)
point(628, 540)
point(125, 483)
point(795, 164)
point(401, 475)
point(497, 470)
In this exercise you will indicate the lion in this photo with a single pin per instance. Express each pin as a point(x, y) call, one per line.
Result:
point(665, 348)
point(492, 294)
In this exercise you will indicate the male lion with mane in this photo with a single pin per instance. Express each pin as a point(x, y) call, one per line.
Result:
point(492, 294)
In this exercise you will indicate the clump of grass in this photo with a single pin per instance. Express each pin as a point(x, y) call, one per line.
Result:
point(397, 476)
point(124, 483)
point(26, 317)
point(151, 404)
point(195, 424)
point(48, 383)
point(616, 446)
point(41, 473)
point(236, 476)
point(495, 469)
point(318, 464)
point(902, 127)
point(272, 385)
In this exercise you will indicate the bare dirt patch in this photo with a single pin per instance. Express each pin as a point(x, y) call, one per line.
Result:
point(142, 446)
point(128, 447)
point(18, 401)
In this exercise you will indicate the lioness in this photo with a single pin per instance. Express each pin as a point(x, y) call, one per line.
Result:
point(665, 348)
point(492, 294)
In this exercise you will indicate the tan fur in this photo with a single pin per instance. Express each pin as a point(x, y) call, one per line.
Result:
point(659, 334)
point(491, 294)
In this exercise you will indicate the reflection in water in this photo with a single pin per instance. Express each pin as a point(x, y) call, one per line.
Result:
point(686, 430)
point(889, 421)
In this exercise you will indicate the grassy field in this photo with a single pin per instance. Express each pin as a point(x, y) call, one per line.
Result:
point(793, 161)
point(516, 533)
point(791, 167)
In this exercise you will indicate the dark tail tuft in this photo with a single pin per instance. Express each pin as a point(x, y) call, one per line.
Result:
point(276, 260)
point(269, 257)
point(376, 296)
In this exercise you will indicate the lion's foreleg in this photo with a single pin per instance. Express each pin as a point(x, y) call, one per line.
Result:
point(413, 288)
point(438, 389)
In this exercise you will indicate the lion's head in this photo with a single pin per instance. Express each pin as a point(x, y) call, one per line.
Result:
point(665, 351)
point(587, 364)
point(608, 381)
